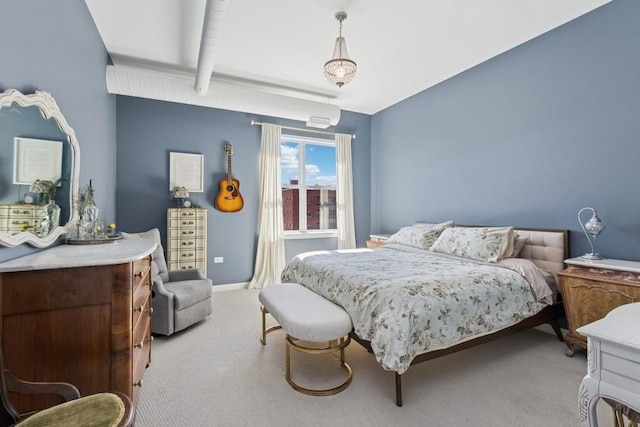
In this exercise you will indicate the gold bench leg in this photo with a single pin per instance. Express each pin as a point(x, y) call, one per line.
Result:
point(265, 330)
point(336, 345)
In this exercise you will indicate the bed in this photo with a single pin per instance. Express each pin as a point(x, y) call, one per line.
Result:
point(434, 289)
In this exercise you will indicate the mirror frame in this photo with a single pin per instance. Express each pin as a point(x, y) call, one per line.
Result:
point(49, 110)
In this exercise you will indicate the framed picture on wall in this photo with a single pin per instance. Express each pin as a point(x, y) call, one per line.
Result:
point(186, 170)
point(36, 159)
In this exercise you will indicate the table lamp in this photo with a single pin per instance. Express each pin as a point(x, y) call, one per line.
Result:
point(592, 228)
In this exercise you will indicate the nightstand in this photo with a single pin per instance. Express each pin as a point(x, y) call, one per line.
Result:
point(377, 240)
point(592, 288)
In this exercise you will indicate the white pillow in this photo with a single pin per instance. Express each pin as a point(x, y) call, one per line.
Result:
point(488, 244)
point(518, 244)
point(419, 236)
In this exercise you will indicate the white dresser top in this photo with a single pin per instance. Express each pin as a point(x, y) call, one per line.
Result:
point(68, 256)
point(611, 264)
point(619, 326)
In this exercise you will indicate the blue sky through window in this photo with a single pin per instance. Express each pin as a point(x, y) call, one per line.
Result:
point(320, 168)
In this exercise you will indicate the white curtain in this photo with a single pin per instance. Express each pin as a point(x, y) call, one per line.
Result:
point(344, 193)
point(270, 259)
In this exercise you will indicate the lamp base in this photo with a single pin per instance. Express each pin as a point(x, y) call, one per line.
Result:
point(592, 255)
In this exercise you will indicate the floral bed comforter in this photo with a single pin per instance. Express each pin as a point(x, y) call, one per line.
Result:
point(406, 303)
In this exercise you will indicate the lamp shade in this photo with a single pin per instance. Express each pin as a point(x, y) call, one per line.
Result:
point(179, 193)
point(340, 70)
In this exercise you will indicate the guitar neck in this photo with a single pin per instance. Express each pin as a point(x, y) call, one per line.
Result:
point(229, 175)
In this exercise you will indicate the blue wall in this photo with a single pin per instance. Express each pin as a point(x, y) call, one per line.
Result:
point(148, 130)
point(527, 138)
point(54, 46)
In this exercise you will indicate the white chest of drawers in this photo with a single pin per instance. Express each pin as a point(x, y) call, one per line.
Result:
point(19, 217)
point(187, 238)
point(613, 352)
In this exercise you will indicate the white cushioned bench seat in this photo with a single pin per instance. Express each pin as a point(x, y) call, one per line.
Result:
point(306, 316)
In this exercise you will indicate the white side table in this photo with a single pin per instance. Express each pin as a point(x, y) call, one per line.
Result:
point(613, 352)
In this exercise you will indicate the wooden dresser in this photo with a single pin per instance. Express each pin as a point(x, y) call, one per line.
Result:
point(78, 314)
point(187, 239)
point(592, 288)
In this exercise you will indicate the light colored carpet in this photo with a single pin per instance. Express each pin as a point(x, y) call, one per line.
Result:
point(217, 373)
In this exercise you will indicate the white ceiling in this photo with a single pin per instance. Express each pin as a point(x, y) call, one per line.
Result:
point(401, 47)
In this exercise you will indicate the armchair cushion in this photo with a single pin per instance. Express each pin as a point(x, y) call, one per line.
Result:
point(188, 292)
point(103, 409)
point(180, 298)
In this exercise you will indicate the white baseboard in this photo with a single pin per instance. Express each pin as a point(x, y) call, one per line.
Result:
point(230, 287)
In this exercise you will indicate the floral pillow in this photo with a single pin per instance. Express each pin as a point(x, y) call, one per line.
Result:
point(488, 244)
point(420, 235)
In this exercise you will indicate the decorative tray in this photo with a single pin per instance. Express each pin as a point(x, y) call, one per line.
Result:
point(107, 239)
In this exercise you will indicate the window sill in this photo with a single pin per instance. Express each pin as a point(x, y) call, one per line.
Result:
point(293, 235)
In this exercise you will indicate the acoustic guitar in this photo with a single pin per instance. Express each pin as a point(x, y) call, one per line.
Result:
point(229, 198)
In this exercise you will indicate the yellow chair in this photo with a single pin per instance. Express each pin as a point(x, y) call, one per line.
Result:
point(97, 410)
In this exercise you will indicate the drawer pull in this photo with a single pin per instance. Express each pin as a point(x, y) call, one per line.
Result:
point(139, 383)
point(150, 311)
point(139, 345)
point(138, 274)
point(138, 309)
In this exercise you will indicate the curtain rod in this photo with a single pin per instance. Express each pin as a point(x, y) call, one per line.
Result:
point(254, 123)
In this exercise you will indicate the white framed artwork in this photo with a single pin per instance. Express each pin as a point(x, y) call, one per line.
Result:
point(36, 159)
point(186, 170)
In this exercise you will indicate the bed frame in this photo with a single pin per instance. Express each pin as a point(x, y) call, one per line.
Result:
point(547, 248)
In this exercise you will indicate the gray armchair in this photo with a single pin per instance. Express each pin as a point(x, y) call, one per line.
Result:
point(179, 298)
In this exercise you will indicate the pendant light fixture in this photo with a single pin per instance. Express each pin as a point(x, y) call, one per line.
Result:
point(339, 70)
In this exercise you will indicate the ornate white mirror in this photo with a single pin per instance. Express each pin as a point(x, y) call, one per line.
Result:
point(39, 170)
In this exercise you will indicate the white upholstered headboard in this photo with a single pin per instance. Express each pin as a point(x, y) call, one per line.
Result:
point(546, 248)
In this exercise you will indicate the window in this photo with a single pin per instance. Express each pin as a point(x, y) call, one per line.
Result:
point(308, 168)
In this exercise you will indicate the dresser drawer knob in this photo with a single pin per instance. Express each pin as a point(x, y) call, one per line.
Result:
point(139, 383)
point(138, 274)
point(138, 309)
point(139, 345)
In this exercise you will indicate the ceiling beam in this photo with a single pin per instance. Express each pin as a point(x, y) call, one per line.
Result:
point(211, 27)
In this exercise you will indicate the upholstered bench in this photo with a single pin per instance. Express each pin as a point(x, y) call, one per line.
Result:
point(306, 317)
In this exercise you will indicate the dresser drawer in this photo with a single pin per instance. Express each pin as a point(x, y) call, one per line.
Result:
point(26, 211)
point(184, 255)
point(592, 299)
point(188, 243)
point(43, 290)
point(187, 213)
point(141, 271)
point(189, 265)
point(141, 305)
point(186, 223)
point(182, 233)
point(141, 355)
point(590, 293)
